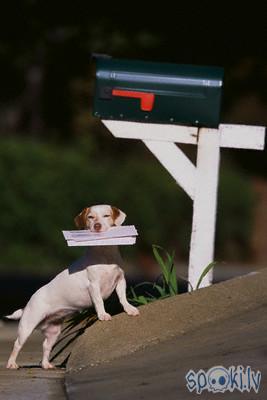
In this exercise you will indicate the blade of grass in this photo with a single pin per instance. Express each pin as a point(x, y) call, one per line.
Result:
point(204, 273)
point(160, 261)
point(161, 290)
point(134, 298)
point(187, 281)
point(142, 300)
point(173, 278)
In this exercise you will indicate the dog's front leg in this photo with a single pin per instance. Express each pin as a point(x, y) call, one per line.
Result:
point(96, 297)
point(121, 292)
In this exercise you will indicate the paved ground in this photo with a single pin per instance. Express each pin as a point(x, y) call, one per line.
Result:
point(147, 357)
point(29, 382)
point(158, 372)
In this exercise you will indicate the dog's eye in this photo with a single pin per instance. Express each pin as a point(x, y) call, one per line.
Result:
point(90, 217)
point(106, 216)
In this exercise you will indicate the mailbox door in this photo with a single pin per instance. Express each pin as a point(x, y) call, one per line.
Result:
point(158, 92)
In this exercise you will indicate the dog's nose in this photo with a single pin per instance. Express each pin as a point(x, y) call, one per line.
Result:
point(97, 226)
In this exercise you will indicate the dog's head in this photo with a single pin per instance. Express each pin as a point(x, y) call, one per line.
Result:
point(99, 218)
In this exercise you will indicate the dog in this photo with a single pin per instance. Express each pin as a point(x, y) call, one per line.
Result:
point(88, 281)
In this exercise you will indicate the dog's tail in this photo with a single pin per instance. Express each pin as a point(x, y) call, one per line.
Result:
point(16, 314)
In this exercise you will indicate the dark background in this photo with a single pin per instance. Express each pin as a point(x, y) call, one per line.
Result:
point(55, 158)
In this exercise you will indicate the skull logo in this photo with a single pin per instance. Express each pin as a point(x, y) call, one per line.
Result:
point(218, 379)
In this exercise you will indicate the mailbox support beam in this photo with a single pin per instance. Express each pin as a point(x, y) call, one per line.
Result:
point(200, 182)
point(204, 206)
point(175, 161)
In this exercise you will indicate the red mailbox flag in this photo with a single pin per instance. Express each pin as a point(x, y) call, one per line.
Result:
point(146, 99)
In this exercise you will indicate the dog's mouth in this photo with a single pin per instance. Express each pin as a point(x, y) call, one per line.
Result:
point(98, 228)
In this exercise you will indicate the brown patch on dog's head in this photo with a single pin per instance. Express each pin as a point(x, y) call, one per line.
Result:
point(118, 216)
point(81, 219)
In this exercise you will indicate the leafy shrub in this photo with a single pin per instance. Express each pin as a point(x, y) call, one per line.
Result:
point(44, 186)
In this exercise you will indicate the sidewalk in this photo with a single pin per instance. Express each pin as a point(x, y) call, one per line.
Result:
point(29, 382)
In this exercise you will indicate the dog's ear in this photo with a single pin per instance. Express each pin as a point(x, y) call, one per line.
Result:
point(80, 219)
point(118, 216)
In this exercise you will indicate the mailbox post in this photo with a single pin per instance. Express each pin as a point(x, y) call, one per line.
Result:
point(165, 104)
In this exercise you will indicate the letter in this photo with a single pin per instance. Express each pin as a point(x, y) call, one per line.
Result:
point(241, 369)
point(190, 378)
point(248, 373)
point(201, 386)
point(256, 378)
point(233, 382)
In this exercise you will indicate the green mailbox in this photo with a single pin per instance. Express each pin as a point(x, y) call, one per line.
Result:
point(140, 91)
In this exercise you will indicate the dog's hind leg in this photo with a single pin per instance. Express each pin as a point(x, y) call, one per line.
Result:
point(51, 332)
point(27, 324)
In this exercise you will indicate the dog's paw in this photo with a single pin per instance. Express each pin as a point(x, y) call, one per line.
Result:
point(104, 317)
point(47, 365)
point(12, 365)
point(131, 310)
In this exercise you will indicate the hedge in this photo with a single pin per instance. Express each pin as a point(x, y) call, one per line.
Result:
point(43, 186)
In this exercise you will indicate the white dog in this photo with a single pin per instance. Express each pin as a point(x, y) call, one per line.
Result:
point(86, 282)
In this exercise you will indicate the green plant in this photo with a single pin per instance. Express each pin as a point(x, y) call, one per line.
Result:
point(169, 279)
point(204, 273)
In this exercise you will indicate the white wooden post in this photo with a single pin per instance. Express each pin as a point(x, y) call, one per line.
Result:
point(204, 206)
point(200, 182)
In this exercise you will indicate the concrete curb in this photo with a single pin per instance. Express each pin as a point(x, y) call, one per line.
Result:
point(161, 320)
